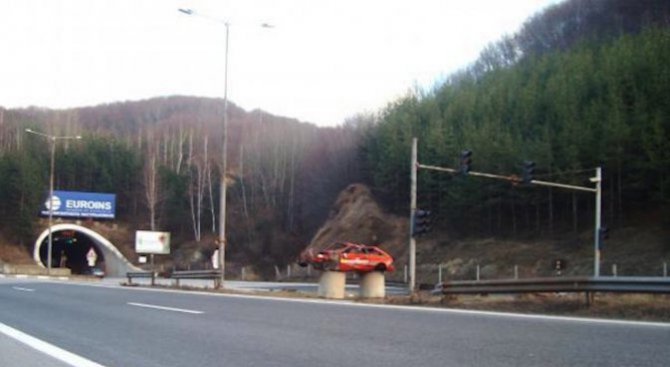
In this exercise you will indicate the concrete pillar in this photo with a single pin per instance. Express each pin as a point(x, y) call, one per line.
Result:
point(373, 285)
point(331, 284)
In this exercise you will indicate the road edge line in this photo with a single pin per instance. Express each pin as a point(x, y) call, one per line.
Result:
point(47, 348)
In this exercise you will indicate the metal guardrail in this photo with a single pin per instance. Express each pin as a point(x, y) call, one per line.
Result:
point(177, 275)
point(557, 284)
point(138, 274)
point(197, 274)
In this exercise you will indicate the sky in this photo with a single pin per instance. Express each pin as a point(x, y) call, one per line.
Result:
point(322, 62)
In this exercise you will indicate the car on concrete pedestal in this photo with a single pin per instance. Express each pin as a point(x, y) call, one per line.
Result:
point(347, 256)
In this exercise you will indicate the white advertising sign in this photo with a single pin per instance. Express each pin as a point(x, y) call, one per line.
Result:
point(151, 242)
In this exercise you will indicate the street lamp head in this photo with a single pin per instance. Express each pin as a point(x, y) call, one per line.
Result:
point(186, 11)
point(78, 137)
point(29, 131)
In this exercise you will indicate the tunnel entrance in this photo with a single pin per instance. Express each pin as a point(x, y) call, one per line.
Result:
point(71, 249)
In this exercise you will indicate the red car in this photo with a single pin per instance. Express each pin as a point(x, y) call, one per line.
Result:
point(346, 256)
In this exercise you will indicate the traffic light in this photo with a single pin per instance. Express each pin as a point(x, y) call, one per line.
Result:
point(420, 222)
point(466, 161)
point(528, 171)
point(603, 234)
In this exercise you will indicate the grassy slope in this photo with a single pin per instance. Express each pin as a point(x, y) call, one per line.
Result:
point(636, 251)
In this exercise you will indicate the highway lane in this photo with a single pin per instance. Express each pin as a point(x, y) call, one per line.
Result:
point(122, 327)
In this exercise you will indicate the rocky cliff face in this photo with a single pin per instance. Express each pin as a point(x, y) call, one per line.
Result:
point(356, 217)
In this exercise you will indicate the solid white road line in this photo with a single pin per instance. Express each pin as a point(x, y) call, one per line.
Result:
point(23, 289)
point(46, 348)
point(163, 308)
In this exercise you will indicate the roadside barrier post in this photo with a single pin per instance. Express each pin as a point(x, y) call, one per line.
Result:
point(516, 271)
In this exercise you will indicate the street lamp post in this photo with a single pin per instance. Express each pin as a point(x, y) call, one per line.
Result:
point(224, 147)
point(52, 139)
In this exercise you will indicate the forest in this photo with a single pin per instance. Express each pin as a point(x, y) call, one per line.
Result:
point(585, 83)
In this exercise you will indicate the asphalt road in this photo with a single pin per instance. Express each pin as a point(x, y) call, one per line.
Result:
point(136, 327)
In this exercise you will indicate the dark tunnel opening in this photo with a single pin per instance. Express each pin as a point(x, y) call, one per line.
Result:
point(71, 249)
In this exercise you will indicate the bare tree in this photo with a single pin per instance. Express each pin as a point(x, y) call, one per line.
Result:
point(151, 178)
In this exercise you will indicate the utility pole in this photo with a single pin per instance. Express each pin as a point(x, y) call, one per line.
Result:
point(224, 144)
point(52, 146)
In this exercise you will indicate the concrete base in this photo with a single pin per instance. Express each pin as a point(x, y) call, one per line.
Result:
point(373, 285)
point(331, 284)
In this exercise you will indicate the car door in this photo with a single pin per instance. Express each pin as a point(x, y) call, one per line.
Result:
point(376, 257)
point(354, 259)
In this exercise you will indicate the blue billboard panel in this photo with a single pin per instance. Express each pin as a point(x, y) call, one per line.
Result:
point(75, 204)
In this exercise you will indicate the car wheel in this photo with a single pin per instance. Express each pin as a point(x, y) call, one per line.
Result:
point(380, 267)
point(302, 264)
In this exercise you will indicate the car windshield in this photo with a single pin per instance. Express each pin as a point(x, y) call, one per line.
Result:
point(336, 246)
point(373, 251)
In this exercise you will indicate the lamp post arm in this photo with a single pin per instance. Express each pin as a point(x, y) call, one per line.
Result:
point(224, 154)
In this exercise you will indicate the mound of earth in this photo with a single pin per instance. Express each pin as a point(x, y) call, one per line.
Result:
point(356, 217)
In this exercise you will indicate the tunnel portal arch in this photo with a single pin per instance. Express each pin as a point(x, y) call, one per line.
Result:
point(115, 264)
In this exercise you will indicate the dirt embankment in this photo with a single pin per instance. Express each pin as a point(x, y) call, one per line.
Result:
point(16, 255)
point(356, 217)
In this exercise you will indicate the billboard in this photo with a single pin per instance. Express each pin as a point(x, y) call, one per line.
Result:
point(75, 204)
point(152, 242)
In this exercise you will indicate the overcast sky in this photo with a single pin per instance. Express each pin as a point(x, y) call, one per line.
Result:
point(323, 61)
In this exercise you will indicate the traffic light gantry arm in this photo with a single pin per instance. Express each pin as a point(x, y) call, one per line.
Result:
point(471, 173)
point(512, 178)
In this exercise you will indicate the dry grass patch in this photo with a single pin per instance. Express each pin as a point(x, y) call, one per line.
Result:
point(605, 305)
point(16, 255)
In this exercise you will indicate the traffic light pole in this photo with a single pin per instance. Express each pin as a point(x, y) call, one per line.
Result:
point(412, 242)
point(514, 179)
point(596, 257)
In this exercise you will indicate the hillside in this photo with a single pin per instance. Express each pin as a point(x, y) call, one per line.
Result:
point(636, 251)
point(567, 111)
point(582, 84)
point(161, 157)
point(639, 250)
